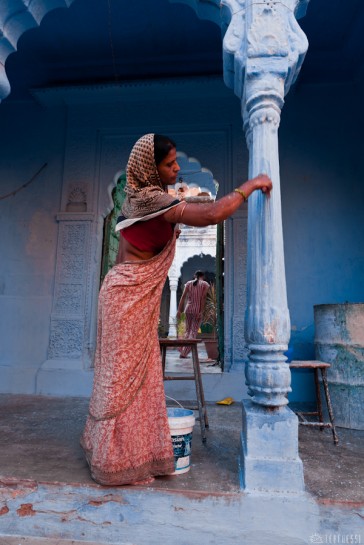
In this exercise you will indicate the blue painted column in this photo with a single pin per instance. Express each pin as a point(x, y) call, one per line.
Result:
point(263, 50)
point(269, 452)
point(267, 322)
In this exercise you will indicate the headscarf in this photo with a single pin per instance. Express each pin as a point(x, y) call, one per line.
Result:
point(145, 194)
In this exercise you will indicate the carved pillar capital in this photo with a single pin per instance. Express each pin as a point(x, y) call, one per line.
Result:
point(264, 47)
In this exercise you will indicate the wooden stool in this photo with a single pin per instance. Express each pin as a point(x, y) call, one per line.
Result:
point(201, 405)
point(316, 365)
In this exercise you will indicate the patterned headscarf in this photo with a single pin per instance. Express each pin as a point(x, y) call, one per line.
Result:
point(144, 190)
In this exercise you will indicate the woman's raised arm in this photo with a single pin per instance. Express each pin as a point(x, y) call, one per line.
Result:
point(201, 215)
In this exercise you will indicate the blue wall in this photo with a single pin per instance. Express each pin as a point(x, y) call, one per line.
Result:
point(29, 137)
point(321, 150)
point(321, 147)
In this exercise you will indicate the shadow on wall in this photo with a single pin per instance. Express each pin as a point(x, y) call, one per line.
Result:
point(301, 347)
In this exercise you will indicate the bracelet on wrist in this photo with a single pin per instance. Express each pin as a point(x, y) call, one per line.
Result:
point(241, 192)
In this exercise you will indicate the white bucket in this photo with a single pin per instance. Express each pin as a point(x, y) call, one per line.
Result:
point(181, 422)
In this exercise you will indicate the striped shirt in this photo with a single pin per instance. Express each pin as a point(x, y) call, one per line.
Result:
point(194, 295)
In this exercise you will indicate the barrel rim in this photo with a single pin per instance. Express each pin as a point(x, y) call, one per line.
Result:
point(347, 304)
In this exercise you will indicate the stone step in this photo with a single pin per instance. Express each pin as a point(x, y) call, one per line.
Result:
point(31, 540)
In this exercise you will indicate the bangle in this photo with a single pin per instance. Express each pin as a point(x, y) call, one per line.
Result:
point(241, 192)
point(183, 209)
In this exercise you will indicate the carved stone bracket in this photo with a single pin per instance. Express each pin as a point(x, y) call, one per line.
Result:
point(265, 31)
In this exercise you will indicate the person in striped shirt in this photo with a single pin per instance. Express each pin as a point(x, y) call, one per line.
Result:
point(192, 303)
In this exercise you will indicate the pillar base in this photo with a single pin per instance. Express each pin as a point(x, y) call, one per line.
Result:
point(269, 450)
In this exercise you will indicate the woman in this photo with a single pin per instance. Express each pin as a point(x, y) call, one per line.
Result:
point(192, 303)
point(126, 438)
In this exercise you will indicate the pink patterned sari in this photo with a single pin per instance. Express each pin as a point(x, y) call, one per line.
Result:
point(126, 437)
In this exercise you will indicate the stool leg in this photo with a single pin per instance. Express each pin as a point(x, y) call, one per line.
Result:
point(201, 389)
point(329, 406)
point(164, 352)
point(318, 398)
point(198, 384)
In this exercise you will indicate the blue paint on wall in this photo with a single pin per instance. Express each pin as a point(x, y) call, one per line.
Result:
point(322, 205)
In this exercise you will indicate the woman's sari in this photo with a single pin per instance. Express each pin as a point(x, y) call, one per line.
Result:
point(127, 437)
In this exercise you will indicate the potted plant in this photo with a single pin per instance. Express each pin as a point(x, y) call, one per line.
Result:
point(181, 326)
point(210, 317)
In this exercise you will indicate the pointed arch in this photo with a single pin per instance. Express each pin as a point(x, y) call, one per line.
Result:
point(15, 19)
point(18, 17)
point(111, 238)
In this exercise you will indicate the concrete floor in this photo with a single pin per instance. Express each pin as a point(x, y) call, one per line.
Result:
point(46, 489)
point(175, 364)
point(40, 441)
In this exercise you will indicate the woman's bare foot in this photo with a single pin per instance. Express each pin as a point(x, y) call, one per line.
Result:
point(148, 480)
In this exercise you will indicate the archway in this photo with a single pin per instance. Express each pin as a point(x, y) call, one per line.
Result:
point(110, 237)
point(16, 18)
point(201, 262)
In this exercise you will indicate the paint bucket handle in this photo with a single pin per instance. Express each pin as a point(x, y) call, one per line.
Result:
point(175, 400)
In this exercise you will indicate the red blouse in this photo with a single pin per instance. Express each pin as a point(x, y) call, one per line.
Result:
point(149, 236)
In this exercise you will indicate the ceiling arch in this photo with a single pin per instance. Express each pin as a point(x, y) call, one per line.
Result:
point(16, 17)
point(205, 9)
point(194, 27)
point(19, 16)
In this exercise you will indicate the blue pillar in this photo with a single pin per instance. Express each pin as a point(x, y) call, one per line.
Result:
point(263, 50)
